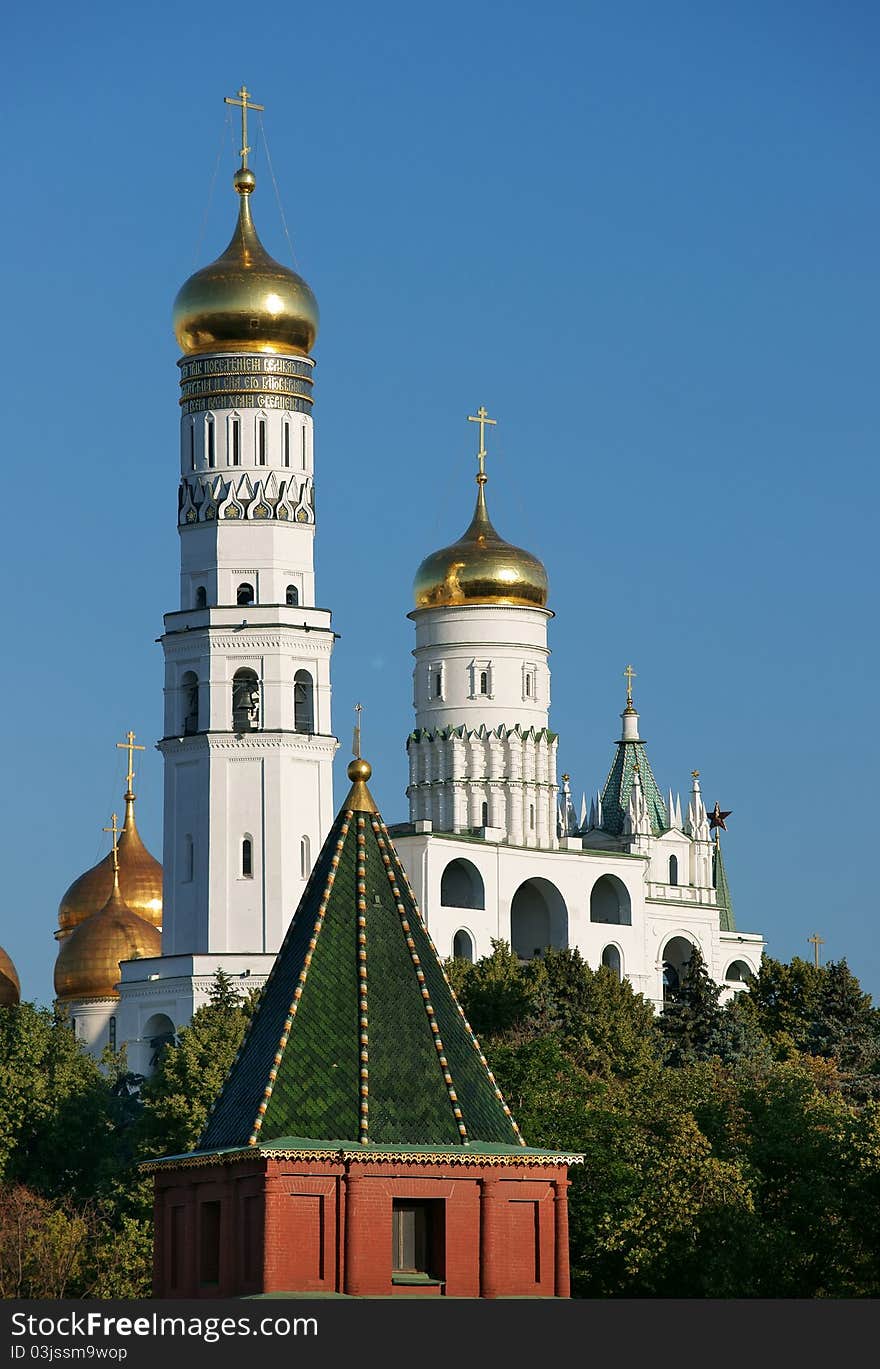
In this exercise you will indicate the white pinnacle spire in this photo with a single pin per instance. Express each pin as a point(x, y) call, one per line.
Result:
point(697, 821)
point(638, 820)
point(583, 821)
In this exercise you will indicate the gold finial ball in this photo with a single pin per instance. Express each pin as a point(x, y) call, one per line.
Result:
point(359, 770)
point(244, 180)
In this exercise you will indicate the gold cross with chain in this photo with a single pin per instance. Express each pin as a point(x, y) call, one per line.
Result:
point(130, 747)
point(115, 830)
point(482, 417)
point(630, 676)
point(816, 941)
point(245, 102)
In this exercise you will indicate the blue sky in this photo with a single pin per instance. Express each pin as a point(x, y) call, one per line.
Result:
point(644, 236)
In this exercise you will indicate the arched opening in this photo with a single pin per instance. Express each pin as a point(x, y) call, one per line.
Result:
point(188, 859)
point(673, 869)
point(538, 919)
point(210, 446)
point(438, 684)
point(484, 682)
point(235, 440)
point(303, 702)
point(244, 594)
point(201, 597)
point(286, 442)
point(247, 858)
point(610, 901)
point(484, 814)
point(111, 1033)
point(463, 946)
point(291, 595)
point(245, 701)
point(739, 973)
point(305, 857)
point(189, 686)
point(676, 955)
point(157, 1033)
point(611, 960)
point(461, 886)
point(192, 446)
point(261, 441)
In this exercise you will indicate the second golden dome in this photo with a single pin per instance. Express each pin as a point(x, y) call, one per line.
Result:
point(481, 568)
point(88, 961)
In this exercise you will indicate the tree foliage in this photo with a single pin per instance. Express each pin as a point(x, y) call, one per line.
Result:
point(730, 1149)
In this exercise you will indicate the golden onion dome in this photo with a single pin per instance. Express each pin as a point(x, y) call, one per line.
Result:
point(10, 989)
point(480, 568)
point(140, 881)
point(88, 961)
point(245, 301)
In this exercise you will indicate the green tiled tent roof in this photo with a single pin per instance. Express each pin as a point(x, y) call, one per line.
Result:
point(357, 1033)
point(618, 786)
point(722, 890)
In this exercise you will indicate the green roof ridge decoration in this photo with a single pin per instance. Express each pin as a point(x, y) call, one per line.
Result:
point(465, 732)
point(357, 1032)
point(726, 920)
point(618, 787)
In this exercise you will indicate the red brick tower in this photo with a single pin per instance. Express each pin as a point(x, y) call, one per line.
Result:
point(360, 1143)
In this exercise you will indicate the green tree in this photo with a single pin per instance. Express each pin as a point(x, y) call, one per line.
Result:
point(57, 1110)
point(498, 994)
point(691, 1022)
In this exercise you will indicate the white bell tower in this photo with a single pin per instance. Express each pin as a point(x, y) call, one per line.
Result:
point(248, 742)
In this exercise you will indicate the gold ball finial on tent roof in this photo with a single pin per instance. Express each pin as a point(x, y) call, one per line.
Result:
point(359, 769)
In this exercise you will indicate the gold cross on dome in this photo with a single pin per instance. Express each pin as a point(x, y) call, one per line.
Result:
point(245, 102)
point(816, 941)
point(129, 746)
point(356, 744)
point(630, 676)
point(115, 830)
point(482, 417)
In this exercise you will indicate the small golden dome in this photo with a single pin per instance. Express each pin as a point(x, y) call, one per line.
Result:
point(88, 961)
point(480, 568)
point(10, 989)
point(245, 301)
point(359, 769)
point(140, 881)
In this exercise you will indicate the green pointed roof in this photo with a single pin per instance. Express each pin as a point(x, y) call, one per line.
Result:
point(357, 1034)
point(618, 786)
point(722, 890)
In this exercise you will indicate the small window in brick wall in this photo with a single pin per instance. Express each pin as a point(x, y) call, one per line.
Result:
point(414, 1239)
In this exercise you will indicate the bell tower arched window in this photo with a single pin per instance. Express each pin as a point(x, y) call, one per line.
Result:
point(291, 596)
point(210, 446)
point(673, 869)
point(245, 701)
point(247, 858)
point(235, 439)
point(303, 702)
point(261, 441)
point(244, 594)
point(201, 597)
point(287, 442)
point(189, 685)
